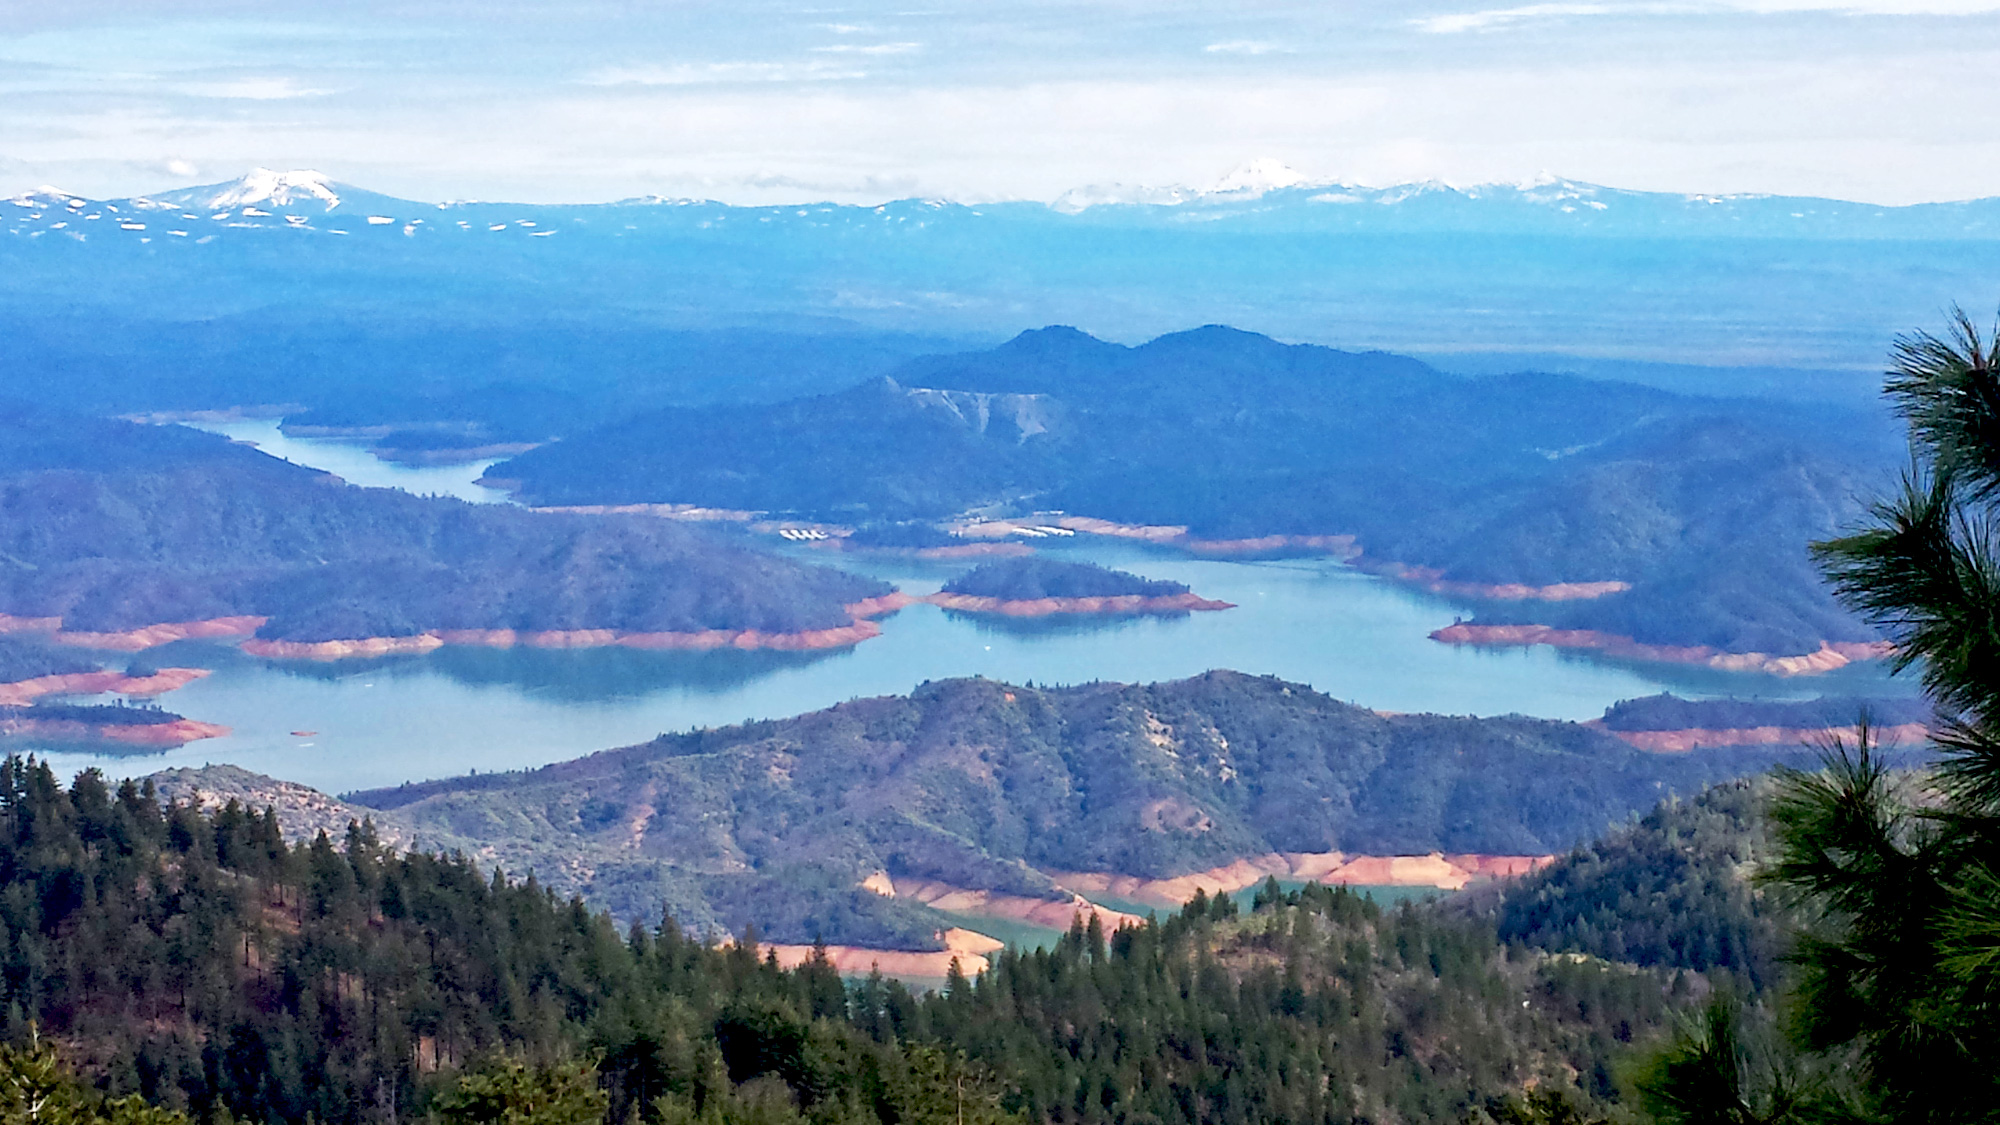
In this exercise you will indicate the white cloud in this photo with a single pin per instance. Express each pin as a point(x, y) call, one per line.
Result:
point(1246, 47)
point(252, 89)
point(1501, 17)
point(870, 48)
point(720, 73)
point(181, 168)
point(1490, 19)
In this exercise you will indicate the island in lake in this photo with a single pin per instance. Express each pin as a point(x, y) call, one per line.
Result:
point(1038, 587)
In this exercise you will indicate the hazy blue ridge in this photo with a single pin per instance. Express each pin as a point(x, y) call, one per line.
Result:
point(1704, 506)
point(115, 525)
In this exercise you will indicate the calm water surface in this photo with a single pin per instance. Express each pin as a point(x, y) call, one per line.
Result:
point(382, 722)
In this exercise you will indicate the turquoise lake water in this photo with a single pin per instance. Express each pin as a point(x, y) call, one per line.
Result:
point(1314, 621)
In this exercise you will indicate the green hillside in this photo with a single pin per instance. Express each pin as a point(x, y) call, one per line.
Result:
point(985, 785)
point(197, 961)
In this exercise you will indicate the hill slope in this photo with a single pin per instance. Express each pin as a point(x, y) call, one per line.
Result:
point(987, 786)
point(1703, 507)
point(112, 526)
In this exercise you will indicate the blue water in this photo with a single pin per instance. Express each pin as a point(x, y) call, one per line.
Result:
point(354, 464)
point(1315, 621)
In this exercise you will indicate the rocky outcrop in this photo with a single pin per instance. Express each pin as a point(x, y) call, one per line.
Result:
point(97, 683)
point(1829, 656)
point(1046, 607)
point(303, 812)
point(1688, 740)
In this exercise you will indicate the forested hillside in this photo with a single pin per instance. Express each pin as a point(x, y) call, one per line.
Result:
point(114, 526)
point(1030, 578)
point(1703, 506)
point(197, 960)
point(1671, 891)
point(983, 785)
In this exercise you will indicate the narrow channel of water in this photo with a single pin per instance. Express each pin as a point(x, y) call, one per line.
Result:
point(352, 462)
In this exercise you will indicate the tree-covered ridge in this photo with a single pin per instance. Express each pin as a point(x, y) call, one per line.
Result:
point(1669, 712)
point(27, 657)
point(188, 526)
point(198, 961)
point(1705, 506)
point(95, 714)
point(985, 785)
point(1675, 890)
point(1030, 579)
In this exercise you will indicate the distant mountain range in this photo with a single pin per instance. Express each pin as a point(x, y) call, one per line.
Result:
point(1547, 266)
point(1261, 196)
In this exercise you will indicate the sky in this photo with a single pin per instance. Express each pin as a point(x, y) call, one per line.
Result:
point(756, 101)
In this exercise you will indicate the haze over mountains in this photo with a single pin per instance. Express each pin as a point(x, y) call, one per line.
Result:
point(1696, 511)
point(1557, 266)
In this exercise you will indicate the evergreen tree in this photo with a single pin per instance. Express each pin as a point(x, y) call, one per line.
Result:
point(1899, 876)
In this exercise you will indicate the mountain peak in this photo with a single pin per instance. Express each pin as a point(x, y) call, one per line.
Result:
point(1258, 177)
point(262, 185)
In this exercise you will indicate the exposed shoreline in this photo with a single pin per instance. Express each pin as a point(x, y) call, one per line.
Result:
point(97, 683)
point(968, 948)
point(1445, 872)
point(861, 628)
point(1433, 580)
point(136, 640)
point(1694, 738)
point(1829, 656)
point(155, 736)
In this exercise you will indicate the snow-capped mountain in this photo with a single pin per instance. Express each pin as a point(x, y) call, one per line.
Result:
point(1246, 182)
point(260, 186)
point(1549, 264)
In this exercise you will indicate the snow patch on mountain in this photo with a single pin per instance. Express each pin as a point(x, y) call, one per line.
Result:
point(1245, 183)
point(1258, 177)
point(262, 185)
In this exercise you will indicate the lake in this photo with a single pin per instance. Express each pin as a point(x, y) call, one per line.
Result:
point(382, 722)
